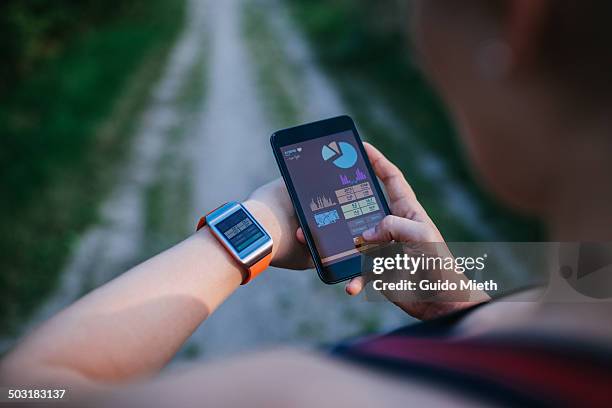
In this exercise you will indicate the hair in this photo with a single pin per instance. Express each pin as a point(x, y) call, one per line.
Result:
point(573, 46)
point(575, 43)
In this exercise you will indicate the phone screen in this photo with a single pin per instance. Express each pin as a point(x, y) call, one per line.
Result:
point(336, 193)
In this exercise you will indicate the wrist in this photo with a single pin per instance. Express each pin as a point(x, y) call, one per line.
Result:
point(206, 241)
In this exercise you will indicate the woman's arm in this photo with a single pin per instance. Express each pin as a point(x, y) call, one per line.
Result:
point(133, 325)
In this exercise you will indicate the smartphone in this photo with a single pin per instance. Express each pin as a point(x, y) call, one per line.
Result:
point(334, 191)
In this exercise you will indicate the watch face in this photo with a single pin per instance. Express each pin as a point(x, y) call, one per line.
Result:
point(240, 230)
point(240, 233)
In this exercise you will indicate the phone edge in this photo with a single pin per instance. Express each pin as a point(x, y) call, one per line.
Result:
point(307, 234)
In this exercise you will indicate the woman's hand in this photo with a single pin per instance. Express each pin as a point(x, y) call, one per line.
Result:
point(409, 223)
point(272, 207)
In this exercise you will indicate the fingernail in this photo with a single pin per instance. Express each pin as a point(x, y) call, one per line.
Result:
point(369, 233)
point(347, 289)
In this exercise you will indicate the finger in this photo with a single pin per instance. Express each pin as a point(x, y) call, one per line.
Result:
point(355, 286)
point(397, 186)
point(393, 228)
point(299, 234)
point(402, 199)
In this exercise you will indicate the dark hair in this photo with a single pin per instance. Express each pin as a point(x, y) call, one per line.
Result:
point(573, 47)
point(575, 43)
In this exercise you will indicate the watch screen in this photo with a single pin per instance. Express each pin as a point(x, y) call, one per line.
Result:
point(336, 193)
point(239, 230)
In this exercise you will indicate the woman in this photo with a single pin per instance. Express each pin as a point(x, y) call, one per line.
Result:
point(526, 82)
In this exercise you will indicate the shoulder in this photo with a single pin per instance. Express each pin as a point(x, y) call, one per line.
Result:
point(283, 378)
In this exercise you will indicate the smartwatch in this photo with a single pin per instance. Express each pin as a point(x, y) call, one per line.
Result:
point(242, 236)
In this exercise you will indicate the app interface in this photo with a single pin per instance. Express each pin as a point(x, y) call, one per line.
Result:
point(336, 193)
point(239, 230)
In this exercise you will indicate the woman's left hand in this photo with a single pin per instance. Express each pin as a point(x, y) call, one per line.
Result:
point(272, 207)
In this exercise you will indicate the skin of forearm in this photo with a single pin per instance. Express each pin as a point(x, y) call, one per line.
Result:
point(133, 325)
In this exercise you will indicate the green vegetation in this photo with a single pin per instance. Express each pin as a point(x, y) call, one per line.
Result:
point(362, 44)
point(78, 74)
point(170, 194)
point(275, 75)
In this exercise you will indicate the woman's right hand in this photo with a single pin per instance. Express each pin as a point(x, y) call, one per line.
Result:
point(409, 222)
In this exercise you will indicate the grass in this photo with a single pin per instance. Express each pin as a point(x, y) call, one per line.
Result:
point(170, 194)
point(274, 73)
point(372, 65)
point(64, 129)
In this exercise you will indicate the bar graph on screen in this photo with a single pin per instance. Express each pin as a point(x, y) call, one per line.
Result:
point(321, 202)
point(348, 180)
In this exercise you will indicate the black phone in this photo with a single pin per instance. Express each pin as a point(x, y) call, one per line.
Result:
point(334, 191)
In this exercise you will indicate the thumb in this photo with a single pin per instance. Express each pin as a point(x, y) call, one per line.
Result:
point(299, 234)
point(393, 228)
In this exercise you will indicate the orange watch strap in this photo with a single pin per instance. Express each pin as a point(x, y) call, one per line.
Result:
point(202, 222)
point(258, 268)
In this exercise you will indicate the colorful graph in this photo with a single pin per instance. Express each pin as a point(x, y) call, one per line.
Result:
point(321, 202)
point(342, 154)
point(356, 192)
point(326, 218)
point(361, 207)
point(359, 176)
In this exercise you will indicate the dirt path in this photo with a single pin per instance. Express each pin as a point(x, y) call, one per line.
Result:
point(233, 158)
point(226, 150)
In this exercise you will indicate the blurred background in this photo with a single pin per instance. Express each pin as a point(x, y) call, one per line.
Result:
point(121, 123)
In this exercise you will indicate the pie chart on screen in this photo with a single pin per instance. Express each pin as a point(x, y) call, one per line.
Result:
point(342, 154)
